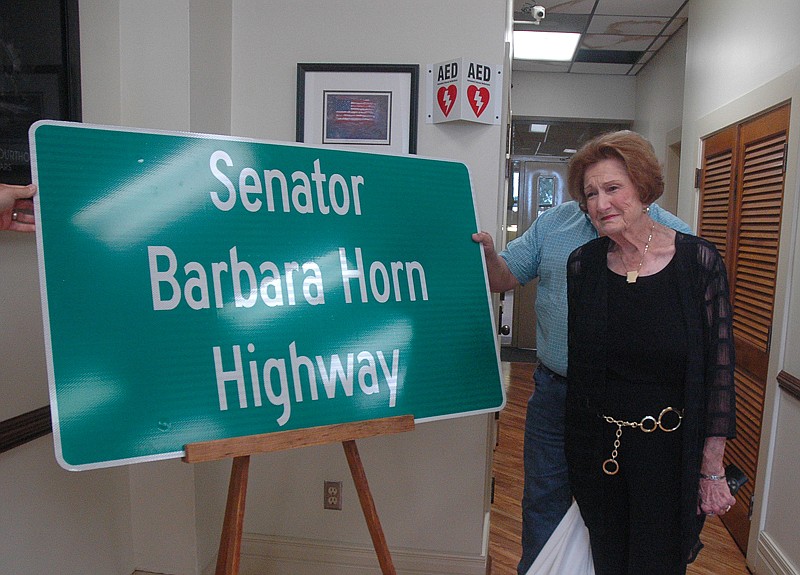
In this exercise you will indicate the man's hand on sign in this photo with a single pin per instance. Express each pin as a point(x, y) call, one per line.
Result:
point(500, 277)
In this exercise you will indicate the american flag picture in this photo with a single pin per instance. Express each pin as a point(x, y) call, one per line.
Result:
point(359, 110)
point(357, 118)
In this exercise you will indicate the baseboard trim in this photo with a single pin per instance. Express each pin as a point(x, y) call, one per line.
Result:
point(773, 558)
point(263, 554)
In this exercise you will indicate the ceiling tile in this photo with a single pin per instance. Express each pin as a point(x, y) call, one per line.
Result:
point(628, 57)
point(658, 43)
point(591, 68)
point(639, 8)
point(675, 25)
point(553, 23)
point(558, 7)
point(646, 57)
point(651, 26)
point(613, 42)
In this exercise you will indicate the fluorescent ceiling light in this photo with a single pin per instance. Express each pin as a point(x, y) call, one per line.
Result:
point(538, 128)
point(552, 46)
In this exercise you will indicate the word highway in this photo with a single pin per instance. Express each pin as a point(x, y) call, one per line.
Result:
point(249, 374)
point(274, 375)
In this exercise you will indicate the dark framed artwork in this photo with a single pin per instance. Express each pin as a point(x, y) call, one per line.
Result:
point(39, 75)
point(39, 79)
point(365, 106)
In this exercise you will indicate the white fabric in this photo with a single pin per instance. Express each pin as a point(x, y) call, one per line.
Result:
point(568, 549)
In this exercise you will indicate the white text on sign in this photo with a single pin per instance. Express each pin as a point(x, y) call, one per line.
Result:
point(243, 284)
point(274, 376)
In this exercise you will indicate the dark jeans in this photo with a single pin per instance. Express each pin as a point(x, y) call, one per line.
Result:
point(546, 497)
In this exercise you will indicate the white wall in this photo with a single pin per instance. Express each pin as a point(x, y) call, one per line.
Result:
point(579, 96)
point(659, 93)
point(55, 521)
point(659, 110)
point(154, 64)
point(737, 67)
point(210, 32)
point(743, 45)
point(100, 61)
point(229, 66)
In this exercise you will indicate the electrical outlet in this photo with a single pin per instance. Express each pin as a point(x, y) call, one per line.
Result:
point(333, 495)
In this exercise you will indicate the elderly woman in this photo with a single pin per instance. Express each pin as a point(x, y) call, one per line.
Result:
point(650, 398)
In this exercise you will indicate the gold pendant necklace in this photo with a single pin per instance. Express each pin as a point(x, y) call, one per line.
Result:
point(634, 275)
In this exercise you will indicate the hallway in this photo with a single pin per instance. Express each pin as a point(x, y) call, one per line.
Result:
point(720, 556)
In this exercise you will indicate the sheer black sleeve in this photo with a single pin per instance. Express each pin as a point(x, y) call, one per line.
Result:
point(719, 346)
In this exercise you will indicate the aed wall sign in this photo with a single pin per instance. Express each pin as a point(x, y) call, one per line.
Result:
point(201, 287)
point(462, 89)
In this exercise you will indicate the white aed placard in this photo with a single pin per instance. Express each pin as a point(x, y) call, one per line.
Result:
point(463, 89)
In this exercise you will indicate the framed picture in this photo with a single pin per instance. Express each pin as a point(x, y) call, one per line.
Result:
point(365, 106)
point(40, 63)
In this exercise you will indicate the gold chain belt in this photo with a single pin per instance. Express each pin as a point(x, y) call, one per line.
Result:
point(648, 424)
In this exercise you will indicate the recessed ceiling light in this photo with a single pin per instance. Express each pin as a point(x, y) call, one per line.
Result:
point(551, 46)
point(570, 150)
point(538, 128)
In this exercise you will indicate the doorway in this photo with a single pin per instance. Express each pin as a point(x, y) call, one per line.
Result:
point(741, 206)
point(540, 152)
point(538, 184)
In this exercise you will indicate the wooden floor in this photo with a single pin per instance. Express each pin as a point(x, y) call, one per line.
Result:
point(720, 556)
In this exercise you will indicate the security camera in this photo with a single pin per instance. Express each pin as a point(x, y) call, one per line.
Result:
point(538, 13)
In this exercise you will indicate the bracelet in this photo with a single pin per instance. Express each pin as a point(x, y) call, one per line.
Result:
point(712, 477)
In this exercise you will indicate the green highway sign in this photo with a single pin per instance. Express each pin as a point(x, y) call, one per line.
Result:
point(200, 287)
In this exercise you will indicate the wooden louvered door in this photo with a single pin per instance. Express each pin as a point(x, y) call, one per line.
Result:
point(741, 200)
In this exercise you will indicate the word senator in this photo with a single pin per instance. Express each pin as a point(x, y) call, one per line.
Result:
point(305, 198)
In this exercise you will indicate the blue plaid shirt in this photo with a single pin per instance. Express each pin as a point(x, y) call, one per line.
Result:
point(542, 251)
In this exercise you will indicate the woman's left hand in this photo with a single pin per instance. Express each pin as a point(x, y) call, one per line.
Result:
point(715, 497)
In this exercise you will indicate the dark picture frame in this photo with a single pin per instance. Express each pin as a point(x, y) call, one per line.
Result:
point(39, 79)
point(373, 107)
point(39, 75)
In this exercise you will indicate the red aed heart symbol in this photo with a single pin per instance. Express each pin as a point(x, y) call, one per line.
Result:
point(446, 96)
point(478, 99)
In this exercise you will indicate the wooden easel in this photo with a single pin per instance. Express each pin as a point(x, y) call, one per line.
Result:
point(241, 448)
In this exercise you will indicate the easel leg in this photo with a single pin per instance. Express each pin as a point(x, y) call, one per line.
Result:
point(368, 506)
point(240, 448)
point(230, 543)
